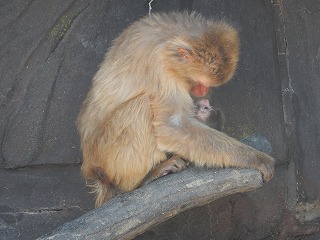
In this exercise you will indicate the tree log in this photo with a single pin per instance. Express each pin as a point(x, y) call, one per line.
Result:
point(128, 215)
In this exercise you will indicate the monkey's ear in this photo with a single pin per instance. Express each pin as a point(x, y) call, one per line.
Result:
point(185, 53)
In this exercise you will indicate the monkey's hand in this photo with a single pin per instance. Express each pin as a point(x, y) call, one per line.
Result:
point(265, 164)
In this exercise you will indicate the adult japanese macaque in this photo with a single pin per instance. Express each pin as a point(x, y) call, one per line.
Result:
point(140, 107)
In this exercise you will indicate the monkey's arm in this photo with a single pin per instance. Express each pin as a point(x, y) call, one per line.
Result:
point(198, 143)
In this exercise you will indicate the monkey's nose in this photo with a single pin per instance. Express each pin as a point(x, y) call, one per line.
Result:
point(206, 101)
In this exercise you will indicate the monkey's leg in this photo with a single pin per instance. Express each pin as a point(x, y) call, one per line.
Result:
point(173, 165)
point(204, 146)
point(123, 149)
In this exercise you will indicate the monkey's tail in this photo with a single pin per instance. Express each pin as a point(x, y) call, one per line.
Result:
point(102, 191)
point(101, 186)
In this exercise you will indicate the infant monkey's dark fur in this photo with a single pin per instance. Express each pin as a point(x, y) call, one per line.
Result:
point(139, 107)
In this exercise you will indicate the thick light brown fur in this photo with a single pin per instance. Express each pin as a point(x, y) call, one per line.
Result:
point(139, 107)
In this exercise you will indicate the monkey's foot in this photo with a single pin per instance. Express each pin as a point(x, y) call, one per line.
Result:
point(173, 165)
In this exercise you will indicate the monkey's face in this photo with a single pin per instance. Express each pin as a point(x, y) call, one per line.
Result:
point(202, 71)
point(207, 61)
point(193, 72)
point(212, 59)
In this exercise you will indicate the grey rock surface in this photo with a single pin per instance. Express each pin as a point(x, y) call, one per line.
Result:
point(34, 201)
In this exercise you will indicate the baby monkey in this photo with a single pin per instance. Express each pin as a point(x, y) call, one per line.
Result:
point(203, 110)
point(140, 108)
point(214, 118)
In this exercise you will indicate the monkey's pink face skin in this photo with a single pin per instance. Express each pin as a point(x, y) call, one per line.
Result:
point(199, 90)
point(202, 86)
point(204, 110)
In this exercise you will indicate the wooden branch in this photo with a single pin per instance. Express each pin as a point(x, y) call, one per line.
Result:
point(129, 215)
